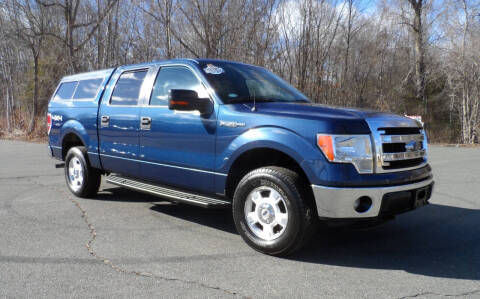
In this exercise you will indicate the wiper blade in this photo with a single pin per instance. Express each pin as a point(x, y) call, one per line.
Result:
point(302, 100)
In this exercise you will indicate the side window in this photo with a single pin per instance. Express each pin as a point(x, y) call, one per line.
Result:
point(65, 91)
point(174, 78)
point(88, 89)
point(127, 89)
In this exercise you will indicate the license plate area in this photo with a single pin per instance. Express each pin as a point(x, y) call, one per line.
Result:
point(402, 201)
point(421, 197)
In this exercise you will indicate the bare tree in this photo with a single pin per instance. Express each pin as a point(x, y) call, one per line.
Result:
point(29, 21)
point(418, 35)
point(392, 56)
point(463, 68)
point(70, 10)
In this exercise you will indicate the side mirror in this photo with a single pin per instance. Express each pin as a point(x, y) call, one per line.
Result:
point(188, 100)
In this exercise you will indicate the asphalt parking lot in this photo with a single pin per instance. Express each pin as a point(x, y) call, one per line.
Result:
point(127, 244)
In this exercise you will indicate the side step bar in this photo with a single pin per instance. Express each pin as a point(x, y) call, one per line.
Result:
point(171, 194)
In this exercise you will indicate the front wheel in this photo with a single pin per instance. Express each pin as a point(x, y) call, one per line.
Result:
point(82, 179)
point(272, 211)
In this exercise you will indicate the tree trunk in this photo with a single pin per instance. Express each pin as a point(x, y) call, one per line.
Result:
point(100, 39)
point(466, 125)
point(31, 127)
point(8, 109)
point(347, 47)
point(7, 95)
point(417, 6)
point(168, 15)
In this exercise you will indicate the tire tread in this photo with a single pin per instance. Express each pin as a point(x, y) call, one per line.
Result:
point(306, 205)
point(92, 175)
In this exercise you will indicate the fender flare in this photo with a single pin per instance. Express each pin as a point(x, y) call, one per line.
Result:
point(275, 138)
point(74, 127)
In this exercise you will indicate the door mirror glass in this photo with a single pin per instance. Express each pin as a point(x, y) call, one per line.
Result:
point(188, 100)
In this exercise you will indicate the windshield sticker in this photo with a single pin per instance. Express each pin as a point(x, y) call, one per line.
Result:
point(232, 95)
point(214, 70)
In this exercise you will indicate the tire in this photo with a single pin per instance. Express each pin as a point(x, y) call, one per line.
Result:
point(266, 196)
point(82, 179)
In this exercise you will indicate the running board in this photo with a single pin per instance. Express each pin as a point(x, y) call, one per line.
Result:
point(171, 194)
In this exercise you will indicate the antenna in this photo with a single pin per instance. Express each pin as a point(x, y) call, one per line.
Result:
point(254, 108)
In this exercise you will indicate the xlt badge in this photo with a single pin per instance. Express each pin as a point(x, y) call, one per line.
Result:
point(231, 124)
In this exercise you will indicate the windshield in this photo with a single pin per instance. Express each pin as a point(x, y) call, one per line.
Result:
point(236, 83)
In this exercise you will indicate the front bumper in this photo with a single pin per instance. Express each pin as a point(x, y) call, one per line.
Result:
point(339, 202)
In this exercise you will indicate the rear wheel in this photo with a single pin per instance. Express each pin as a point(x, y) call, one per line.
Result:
point(272, 211)
point(82, 179)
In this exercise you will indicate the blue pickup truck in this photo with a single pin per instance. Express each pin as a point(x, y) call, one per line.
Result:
point(216, 134)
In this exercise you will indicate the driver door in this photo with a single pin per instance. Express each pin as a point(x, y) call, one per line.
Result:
point(177, 148)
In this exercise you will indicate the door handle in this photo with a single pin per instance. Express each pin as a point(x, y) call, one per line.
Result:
point(105, 119)
point(145, 123)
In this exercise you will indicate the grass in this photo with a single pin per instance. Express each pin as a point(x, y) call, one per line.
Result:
point(18, 129)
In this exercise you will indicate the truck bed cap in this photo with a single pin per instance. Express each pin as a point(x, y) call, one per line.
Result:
point(88, 75)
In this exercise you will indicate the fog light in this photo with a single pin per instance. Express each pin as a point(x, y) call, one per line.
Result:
point(362, 204)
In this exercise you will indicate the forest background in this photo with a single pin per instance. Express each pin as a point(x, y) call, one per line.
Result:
point(410, 57)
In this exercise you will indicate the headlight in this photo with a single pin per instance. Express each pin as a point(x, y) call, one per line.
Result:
point(355, 149)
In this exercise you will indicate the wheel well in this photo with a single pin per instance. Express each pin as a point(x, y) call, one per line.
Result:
point(70, 140)
point(257, 158)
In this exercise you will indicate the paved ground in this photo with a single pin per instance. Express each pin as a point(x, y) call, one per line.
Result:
point(126, 244)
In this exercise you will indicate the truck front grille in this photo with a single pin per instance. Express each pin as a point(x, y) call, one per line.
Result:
point(401, 148)
point(399, 143)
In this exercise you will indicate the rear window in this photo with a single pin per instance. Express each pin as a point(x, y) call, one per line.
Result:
point(88, 89)
point(127, 89)
point(65, 91)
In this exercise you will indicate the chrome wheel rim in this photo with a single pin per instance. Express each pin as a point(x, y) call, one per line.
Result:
point(266, 213)
point(75, 174)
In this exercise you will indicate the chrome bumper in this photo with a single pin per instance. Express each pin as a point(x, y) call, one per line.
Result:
point(338, 202)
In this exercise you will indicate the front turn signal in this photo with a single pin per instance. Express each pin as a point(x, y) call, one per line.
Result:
point(325, 143)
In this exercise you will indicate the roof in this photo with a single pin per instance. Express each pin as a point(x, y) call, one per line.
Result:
point(107, 72)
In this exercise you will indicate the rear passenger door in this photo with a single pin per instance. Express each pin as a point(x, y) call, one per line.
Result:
point(177, 148)
point(119, 121)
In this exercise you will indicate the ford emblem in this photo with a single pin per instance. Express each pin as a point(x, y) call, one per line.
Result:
point(411, 146)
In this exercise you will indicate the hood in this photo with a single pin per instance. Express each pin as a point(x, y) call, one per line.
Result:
point(386, 119)
point(335, 119)
point(316, 111)
point(306, 111)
